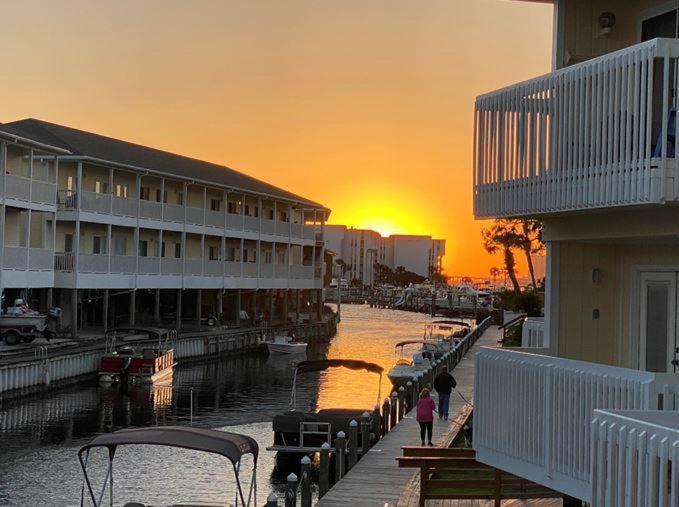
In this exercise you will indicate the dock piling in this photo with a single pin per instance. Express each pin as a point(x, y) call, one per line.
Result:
point(305, 481)
point(352, 444)
point(365, 433)
point(377, 424)
point(401, 402)
point(409, 396)
point(272, 500)
point(324, 472)
point(340, 455)
point(291, 491)
point(393, 417)
point(385, 416)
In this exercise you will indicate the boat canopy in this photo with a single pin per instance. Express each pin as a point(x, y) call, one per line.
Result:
point(412, 342)
point(229, 445)
point(324, 364)
point(451, 323)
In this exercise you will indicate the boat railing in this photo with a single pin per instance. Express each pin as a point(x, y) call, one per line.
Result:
point(312, 428)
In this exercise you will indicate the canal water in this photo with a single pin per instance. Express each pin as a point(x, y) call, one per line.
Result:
point(39, 437)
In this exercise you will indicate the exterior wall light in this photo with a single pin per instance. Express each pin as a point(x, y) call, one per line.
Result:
point(596, 276)
point(606, 23)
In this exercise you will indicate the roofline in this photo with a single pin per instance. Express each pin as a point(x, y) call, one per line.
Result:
point(184, 178)
point(30, 142)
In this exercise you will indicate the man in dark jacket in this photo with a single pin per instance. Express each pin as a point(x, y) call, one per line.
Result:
point(444, 383)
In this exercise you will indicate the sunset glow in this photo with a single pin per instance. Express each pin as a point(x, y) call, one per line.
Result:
point(365, 107)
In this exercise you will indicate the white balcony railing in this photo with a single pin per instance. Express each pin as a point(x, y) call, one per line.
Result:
point(193, 266)
point(234, 221)
point(124, 206)
point(280, 270)
point(149, 265)
point(213, 268)
point(171, 266)
point(251, 223)
point(268, 226)
point(533, 332)
point(266, 271)
point(195, 215)
point(214, 218)
point(17, 187)
point(250, 269)
point(63, 261)
point(232, 268)
point(40, 259)
point(585, 136)
point(123, 264)
point(532, 413)
point(173, 212)
point(635, 458)
point(43, 192)
point(93, 263)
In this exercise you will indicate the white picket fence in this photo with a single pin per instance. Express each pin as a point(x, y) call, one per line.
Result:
point(532, 413)
point(581, 137)
point(533, 332)
point(635, 458)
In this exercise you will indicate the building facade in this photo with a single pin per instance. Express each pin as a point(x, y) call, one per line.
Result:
point(117, 233)
point(590, 150)
point(361, 249)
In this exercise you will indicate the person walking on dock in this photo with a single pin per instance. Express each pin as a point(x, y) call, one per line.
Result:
point(425, 415)
point(444, 383)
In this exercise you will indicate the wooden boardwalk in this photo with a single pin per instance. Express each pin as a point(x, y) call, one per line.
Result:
point(377, 480)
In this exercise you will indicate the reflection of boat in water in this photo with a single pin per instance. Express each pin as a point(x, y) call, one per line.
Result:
point(149, 359)
point(285, 345)
point(405, 369)
point(232, 446)
point(305, 432)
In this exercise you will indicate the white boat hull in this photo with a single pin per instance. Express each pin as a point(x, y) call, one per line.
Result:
point(287, 348)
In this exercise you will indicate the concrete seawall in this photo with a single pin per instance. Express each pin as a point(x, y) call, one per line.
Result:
point(48, 369)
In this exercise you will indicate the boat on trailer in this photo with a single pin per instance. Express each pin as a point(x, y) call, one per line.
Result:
point(305, 432)
point(146, 356)
point(232, 446)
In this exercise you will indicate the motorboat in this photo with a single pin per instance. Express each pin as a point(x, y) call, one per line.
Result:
point(19, 323)
point(296, 431)
point(285, 345)
point(146, 356)
point(446, 332)
point(232, 446)
point(405, 369)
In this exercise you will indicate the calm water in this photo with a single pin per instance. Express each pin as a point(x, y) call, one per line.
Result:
point(39, 438)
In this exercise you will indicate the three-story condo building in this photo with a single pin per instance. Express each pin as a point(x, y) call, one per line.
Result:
point(590, 149)
point(117, 233)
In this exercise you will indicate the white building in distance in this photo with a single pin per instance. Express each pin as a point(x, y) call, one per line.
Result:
point(361, 249)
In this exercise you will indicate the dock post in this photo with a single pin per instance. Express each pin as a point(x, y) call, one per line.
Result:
point(324, 472)
point(409, 396)
point(385, 416)
point(272, 500)
point(305, 481)
point(401, 402)
point(352, 444)
point(377, 424)
point(340, 456)
point(365, 433)
point(291, 491)
point(415, 394)
point(394, 410)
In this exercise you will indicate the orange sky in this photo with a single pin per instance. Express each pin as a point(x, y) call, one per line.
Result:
point(363, 105)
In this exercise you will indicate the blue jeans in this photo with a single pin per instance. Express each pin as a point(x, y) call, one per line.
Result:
point(444, 401)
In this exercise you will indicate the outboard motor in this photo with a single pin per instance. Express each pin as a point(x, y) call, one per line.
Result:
point(125, 373)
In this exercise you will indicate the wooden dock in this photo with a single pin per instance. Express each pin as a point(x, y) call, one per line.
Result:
point(376, 480)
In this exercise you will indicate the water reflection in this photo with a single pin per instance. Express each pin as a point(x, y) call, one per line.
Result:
point(39, 437)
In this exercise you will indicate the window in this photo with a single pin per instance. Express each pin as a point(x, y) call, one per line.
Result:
point(143, 248)
point(180, 198)
point(232, 207)
point(215, 204)
point(121, 190)
point(69, 183)
point(68, 243)
point(98, 245)
point(245, 255)
point(120, 246)
point(145, 193)
point(269, 214)
point(231, 254)
point(100, 187)
point(214, 253)
point(177, 250)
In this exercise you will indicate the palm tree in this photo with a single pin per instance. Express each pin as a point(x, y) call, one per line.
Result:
point(502, 235)
point(495, 272)
point(529, 240)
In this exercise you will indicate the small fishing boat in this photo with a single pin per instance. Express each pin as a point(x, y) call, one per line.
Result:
point(232, 446)
point(19, 323)
point(305, 432)
point(285, 345)
point(146, 356)
point(405, 369)
point(446, 332)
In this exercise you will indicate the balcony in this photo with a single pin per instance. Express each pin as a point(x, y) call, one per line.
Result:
point(19, 258)
point(30, 190)
point(533, 413)
point(150, 209)
point(95, 202)
point(588, 136)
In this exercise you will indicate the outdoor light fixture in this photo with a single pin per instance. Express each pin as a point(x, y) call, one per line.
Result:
point(596, 276)
point(606, 23)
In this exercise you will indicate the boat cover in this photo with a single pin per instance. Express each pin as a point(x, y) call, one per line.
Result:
point(452, 322)
point(229, 445)
point(324, 364)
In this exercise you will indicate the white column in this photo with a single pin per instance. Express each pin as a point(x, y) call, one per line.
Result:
point(109, 244)
point(202, 254)
point(76, 242)
point(111, 191)
point(3, 170)
point(551, 335)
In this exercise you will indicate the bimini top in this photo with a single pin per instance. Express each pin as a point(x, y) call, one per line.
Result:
point(229, 445)
point(412, 342)
point(451, 322)
point(324, 364)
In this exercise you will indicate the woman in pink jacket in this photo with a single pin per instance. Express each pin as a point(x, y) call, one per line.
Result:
point(425, 415)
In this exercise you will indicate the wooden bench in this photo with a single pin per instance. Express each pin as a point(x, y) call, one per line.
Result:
point(454, 474)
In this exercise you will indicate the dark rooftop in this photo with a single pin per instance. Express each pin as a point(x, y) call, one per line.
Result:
point(115, 151)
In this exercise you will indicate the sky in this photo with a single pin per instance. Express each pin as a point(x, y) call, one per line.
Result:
point(363, 105)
